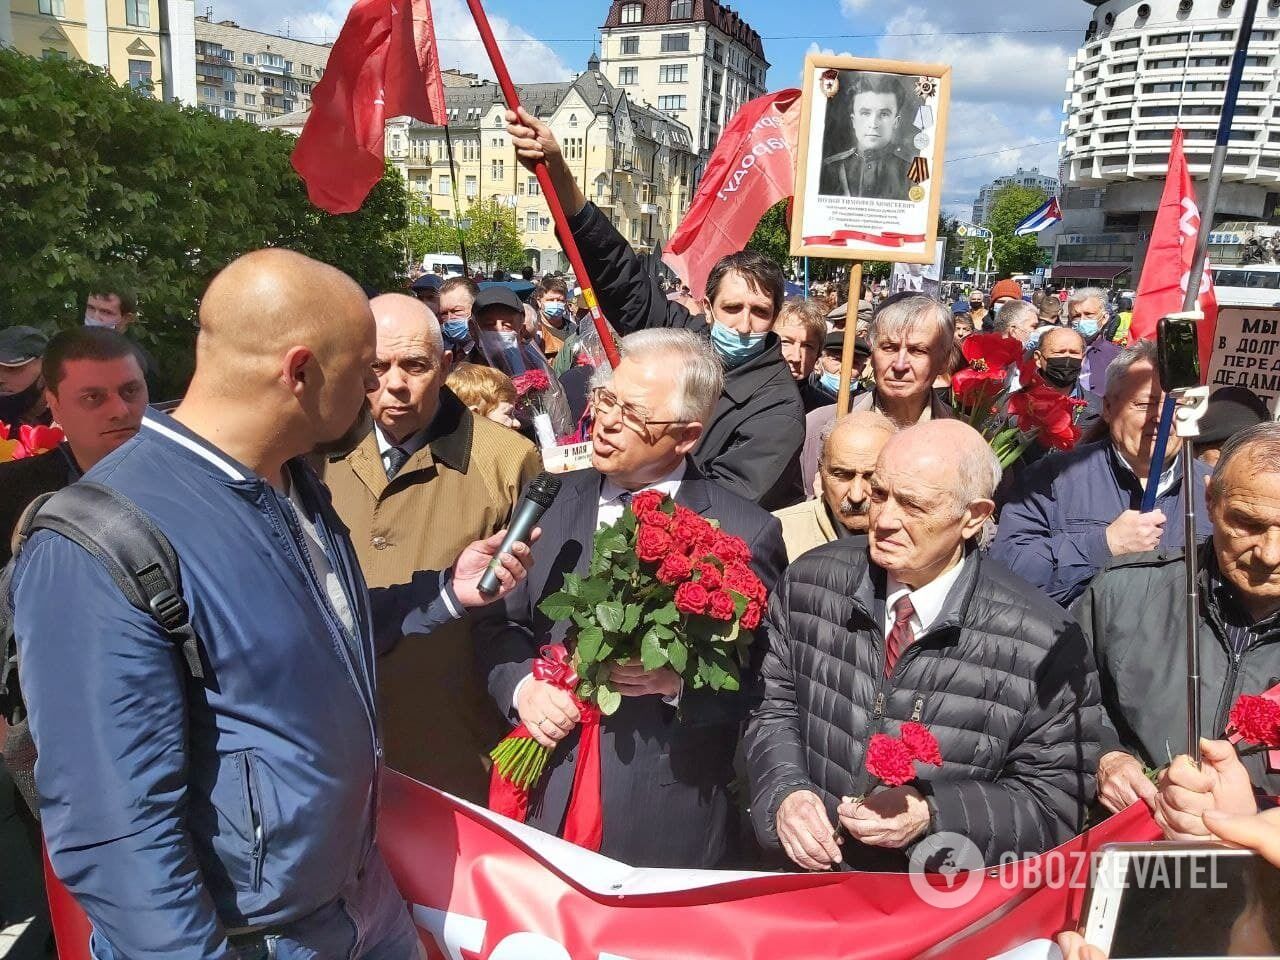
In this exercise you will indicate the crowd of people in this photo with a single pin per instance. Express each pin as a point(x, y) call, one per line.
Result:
point(339, 474)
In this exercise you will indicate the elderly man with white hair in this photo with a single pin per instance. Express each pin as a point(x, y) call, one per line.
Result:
point(1070, 514)
point(911, 337)
point(665, 774)
point(917, 625)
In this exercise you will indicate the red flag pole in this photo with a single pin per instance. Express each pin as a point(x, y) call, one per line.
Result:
point(548, 189)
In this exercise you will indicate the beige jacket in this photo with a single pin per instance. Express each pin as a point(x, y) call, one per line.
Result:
point(805, 526)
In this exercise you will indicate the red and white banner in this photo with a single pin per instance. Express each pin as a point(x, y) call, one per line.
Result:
point(1170, 257)
point(752, 168)
point(481, 887)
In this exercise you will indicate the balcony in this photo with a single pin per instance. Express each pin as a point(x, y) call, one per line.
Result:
point(266, 65)
point(649, 209)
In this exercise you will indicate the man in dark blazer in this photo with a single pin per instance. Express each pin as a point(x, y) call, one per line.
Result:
point(667, 753)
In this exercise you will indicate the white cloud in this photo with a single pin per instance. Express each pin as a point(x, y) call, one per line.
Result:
point(529, 60)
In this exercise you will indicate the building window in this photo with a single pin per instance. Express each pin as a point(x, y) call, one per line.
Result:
point(54, 8)
point(534, 189)
point(672, 103)
point(251, 117)
point(1117, 115)
point(50, 54)
point(208, 92)
point(472, 187)
point(306, 69)
point(250, 99)
point(228, 114)
point(495, 169)
point(444, 186)
point(1216, 36)
point(1131, 44)
point(1129, 67)
point(137, 13)
point(673, 73)
point(629, 76)
point(1150, 135)
point(248, 58)
point(1164, 39)
point(140, 75)
point(1125, 91)
point(573, 119)
point(681, 9)
point(675, 42)
point(630, 46)
point(531, 221)
point(1246, 86)
point(632, 12)
point(229, 96)
point(248, 79)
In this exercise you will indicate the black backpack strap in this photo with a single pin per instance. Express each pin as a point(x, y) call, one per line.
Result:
point(135, 553)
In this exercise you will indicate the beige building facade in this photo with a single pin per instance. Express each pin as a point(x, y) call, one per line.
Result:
point(249, 75)
point(146, 44)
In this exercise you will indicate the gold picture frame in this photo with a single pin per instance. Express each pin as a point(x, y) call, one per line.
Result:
point(869, 180)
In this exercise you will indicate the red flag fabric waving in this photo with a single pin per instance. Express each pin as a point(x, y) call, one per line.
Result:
point(384, 64)
point(752, 168)
point(1166, 276)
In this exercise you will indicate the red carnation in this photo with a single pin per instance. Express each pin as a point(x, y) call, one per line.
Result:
point(709, 576)
point(531, 381)
point(721, 606)
point(922, 744)
point(692, 597)
point(1256, 720)
point(646, 501)
point(676, 568)
point(652, 544)
point(889, 760)
point(751, 615)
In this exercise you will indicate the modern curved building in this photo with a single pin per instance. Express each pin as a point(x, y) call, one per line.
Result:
point(1147, 66)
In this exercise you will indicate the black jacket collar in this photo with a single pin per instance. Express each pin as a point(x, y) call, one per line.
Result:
point(740, 383)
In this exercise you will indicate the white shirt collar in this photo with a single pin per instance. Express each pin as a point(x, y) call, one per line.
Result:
point(410, 446)
point(1167, 478)
point(610, 492)
point(928, 601)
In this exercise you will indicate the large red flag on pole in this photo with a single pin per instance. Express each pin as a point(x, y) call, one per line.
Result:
point(384, 64)
point(752, 168)
point(1166, 275)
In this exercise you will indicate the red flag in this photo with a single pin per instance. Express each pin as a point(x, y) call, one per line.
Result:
point(1165, 277)
point(752, 168)
point(384, 64)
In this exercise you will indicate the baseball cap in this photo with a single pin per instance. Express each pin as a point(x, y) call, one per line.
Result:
point(20, 345)
point(498, 297)
point(428, 281)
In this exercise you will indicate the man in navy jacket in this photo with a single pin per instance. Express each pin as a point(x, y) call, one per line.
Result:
point(1069, 514)
point(234, 815)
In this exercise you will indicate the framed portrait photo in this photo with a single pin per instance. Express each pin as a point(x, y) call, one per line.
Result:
point(872, 145)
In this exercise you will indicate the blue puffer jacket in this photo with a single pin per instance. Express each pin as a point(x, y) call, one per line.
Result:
point(1053, 529)
point(178, 811)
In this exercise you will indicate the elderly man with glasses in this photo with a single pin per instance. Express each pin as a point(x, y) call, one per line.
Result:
point(665, 773)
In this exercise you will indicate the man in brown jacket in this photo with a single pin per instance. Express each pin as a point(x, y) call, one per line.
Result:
point(430, 478)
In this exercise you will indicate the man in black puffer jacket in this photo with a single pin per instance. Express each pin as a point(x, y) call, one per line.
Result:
point(919, 626)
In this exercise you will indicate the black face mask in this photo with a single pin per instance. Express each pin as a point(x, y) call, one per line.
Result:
point(15, 405)
point(1062, 371)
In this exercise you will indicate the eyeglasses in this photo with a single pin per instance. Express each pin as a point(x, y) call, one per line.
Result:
point(636, 419)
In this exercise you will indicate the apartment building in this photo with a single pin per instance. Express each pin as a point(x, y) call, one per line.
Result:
point(255, 76)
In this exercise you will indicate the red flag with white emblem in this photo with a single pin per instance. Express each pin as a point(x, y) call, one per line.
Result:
point(384, 64)
point(1166, 275)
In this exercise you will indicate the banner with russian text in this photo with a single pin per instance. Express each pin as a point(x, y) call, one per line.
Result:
point(481, 887)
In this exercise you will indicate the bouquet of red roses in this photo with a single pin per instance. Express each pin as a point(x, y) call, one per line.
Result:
point(30, 442)
point(665, 587)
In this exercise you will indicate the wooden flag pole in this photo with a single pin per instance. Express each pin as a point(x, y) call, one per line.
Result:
point(548, 189)
point(850, 334)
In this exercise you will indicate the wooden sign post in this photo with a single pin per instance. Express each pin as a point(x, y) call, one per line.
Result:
point(844, 398)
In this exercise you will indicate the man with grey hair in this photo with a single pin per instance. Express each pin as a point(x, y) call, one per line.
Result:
point(911, 338)
point(917, 625)
point(665, 774)
point(850, 448)
point(1071, 513)
point(1135, 615)
point(1087, 312)
point(1017, 319)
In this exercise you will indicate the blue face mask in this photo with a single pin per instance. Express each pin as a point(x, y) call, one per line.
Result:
point(736, 348)
point(553, 309)
point(830, 383)
point(456, 330)
point(1088, 326)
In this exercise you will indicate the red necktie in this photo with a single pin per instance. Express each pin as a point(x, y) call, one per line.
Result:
point(900, 636)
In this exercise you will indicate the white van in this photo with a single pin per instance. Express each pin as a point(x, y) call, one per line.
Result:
point(442, 264)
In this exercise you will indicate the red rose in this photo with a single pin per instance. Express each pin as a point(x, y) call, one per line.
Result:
point(709, 576)
point(676, 568)
point(692, 597)
point(652, 544)
point(751, 615)
point(922, 744)
point(739, 578)
point(730, 549)
point(721, 606)
point(1256, 720)
point(691, 532)
point(655, 518)
point(646, 501)
point(889, 760)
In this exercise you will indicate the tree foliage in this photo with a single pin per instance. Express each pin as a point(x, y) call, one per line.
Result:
point(493, 242)
point(1011, 206)
point(104, 187)
point(772, 236)
point(429, 231)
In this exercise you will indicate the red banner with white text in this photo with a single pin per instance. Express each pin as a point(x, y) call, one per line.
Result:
point(481, 887)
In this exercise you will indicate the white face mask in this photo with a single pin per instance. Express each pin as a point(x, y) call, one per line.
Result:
point(90, 321)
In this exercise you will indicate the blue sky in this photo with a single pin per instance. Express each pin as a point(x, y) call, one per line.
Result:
point(1009, 59)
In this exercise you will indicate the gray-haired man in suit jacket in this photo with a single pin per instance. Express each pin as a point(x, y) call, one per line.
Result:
point(665, 773)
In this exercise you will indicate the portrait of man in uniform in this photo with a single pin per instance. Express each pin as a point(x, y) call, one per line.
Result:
point(877, 163)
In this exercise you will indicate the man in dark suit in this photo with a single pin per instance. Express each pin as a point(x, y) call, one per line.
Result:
point(667, 753)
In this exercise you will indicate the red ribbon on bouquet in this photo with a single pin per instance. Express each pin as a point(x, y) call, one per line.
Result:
point(584, 820)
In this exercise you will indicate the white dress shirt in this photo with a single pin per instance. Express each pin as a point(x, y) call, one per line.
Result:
point(928, 601)
point(612, 495)
point(410, 446)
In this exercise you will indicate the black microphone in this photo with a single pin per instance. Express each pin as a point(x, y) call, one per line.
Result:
point(542, 490)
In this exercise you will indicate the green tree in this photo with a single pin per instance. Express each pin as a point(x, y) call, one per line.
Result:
point(492, 237)
point(772, 236)
point(104, 187)
point(1011, 206)
point(429, 231)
